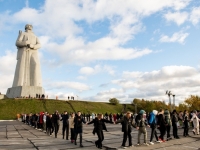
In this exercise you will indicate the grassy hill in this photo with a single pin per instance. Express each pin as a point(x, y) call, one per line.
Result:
point(10, 107)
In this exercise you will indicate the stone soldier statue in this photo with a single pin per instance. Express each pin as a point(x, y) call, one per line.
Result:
point(27, 79)
point(28, 66)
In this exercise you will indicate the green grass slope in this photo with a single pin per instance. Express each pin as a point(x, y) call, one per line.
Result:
point(10, 107)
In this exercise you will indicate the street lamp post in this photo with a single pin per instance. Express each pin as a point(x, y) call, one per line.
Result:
point(174, 100)
point(135, 108)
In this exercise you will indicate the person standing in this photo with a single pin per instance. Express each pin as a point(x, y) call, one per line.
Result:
point(36, 120)
point(153, 125)
point(110, 116)
point(44, 122)
point(93, 116)
point(71, 126)
point(186, 123)
point(106, 116)
point(49, 124)
point(174, 124)
point(41, 121)
point(99, 126)
point(195, 121)
point(141, 126)
point(65, 120)
point(78, 127)
point(168, 123)
point(161, 124)
point(126, 122)
point(56, 119)
point(114, 117)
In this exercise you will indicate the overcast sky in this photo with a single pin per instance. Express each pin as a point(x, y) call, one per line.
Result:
point(99, 49)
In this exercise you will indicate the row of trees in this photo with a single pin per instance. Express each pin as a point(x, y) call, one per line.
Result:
point(191, 103)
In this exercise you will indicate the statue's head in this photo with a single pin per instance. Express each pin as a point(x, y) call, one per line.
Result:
point(28, 27)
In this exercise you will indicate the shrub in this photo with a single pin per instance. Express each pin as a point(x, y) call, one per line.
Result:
point(114, 101)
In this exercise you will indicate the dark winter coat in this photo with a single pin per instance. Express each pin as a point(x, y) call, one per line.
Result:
point(174, 119)
point(126, 124)
point(78, 127)
point(56, 119)
point(161, 121)
point(99, 125)
point(65, 119)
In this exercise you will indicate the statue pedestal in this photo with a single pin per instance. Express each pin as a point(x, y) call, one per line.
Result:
point(24, 91)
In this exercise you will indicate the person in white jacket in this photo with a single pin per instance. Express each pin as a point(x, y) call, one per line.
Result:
point(44, 122)
point(195, 120)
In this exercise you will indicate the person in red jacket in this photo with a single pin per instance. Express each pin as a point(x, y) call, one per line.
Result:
point(41, 121)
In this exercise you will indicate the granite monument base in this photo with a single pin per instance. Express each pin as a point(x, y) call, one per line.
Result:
point(24, 91)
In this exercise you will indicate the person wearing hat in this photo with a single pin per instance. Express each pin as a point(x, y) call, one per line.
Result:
point(152, 122)
point(141, 126)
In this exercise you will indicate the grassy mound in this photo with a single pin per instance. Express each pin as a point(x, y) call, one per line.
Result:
point(9, 108)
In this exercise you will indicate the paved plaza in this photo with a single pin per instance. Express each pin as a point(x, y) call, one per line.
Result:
point(15, 135)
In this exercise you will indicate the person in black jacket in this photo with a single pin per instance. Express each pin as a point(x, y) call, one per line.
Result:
point(126, 122)
point(174, 124)
point(56, 119)
point(161, 124)
point(49, 124)
point(65, 127)
point(99, 126)
point(186, 123)
point(78, 127)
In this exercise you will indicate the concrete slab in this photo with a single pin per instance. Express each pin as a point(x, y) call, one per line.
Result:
point(16, 135)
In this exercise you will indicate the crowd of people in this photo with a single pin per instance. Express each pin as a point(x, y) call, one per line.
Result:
point(72, 124)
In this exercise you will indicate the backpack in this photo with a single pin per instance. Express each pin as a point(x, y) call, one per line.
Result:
point(167, 120)
point(148, 119)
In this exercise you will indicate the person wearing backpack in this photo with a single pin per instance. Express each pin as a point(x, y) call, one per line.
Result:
point(152, 122)
point(141, 124)
point(168, 123)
